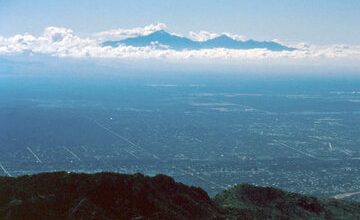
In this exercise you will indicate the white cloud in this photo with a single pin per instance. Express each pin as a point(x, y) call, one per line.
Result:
point(57, 34)
point(203, 35)
point(235, 36)
point(124, 33)
point(63, 42)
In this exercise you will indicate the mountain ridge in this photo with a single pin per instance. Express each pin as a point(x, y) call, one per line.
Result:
point(63, 195)
point(163, 39)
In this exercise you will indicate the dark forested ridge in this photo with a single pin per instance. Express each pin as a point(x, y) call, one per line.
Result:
point(64, 195)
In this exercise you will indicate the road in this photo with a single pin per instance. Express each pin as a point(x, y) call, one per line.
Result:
point(345, 195)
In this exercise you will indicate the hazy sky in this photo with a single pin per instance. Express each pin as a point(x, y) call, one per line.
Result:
point(312, 21)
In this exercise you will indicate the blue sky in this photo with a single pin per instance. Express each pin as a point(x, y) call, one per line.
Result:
point(324, 33)
point(312, 21)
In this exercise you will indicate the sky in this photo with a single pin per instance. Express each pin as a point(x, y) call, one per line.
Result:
point(312, 21)
point(325, 33)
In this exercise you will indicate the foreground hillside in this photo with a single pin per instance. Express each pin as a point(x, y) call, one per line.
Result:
point(117, 196)
point(250, 202)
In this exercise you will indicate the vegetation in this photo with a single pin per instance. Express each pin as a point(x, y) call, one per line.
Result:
point(252, 202)
point(64, 195)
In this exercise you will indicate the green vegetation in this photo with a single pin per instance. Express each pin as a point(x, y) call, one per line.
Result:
point(252, 202)
point(118, 196)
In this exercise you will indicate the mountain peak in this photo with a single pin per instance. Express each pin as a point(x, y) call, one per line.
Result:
point(223, 36)
point(160, 32)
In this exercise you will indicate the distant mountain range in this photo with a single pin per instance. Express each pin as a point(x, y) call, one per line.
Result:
point(163, 39)
point(107, 196)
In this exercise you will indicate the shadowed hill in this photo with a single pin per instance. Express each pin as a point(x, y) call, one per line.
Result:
point(64, 195)
point(252, 202)
point(101, 196)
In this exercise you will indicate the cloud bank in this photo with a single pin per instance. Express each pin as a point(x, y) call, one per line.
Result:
point(121, 33)
point(64, 42)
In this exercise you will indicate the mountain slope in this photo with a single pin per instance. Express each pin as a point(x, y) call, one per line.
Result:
point(162, 39)
point(101, 196)
point(118, 196)
point(159, 38)
point(252, 202)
